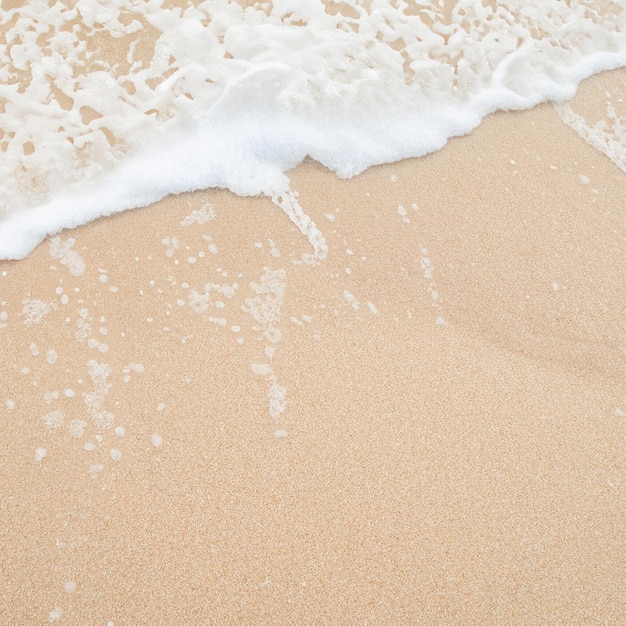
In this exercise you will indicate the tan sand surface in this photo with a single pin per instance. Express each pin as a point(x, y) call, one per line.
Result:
point(455, 383)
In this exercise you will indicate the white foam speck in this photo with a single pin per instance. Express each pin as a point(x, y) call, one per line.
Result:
point(10, 404)
point(62, 250)
point(428, 273)
point(372, 308)
point(265, 307)
point(157, 440)
point(34, 310)
point(49, 396)
point(354, 303)
point(280, 434)
point(94, 401)
point(94, 470)
point(70, 586)
point(161, 406)
point(40, 453)
point(218, 321)
point(199, 216)
point(619, 413)
point(171, 245)
point(116, 454)
point(53, 419)
point(274, 251)
point(55, 615)
point(277, 395)
point(120, 431)
point(77, 428)
point(84, 326)
point(51, 357)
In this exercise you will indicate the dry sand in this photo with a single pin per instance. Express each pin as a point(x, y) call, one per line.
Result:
point(455, 384)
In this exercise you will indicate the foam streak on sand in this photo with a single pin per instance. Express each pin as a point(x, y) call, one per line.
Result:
point(608, 136)
point(234, 96)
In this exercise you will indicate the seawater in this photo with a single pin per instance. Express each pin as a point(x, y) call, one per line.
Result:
point(107, 105)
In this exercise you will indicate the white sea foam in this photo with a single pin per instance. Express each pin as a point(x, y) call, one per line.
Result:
point(107, 105)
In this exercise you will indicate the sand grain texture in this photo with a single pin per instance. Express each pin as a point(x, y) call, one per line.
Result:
point(455, 388)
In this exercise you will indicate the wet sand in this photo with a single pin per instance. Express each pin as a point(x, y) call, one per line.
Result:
point(450, 449)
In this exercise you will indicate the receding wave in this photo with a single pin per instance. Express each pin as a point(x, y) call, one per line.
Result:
point(107, 105)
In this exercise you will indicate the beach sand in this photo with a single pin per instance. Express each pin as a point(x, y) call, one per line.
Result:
point(452, 445)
